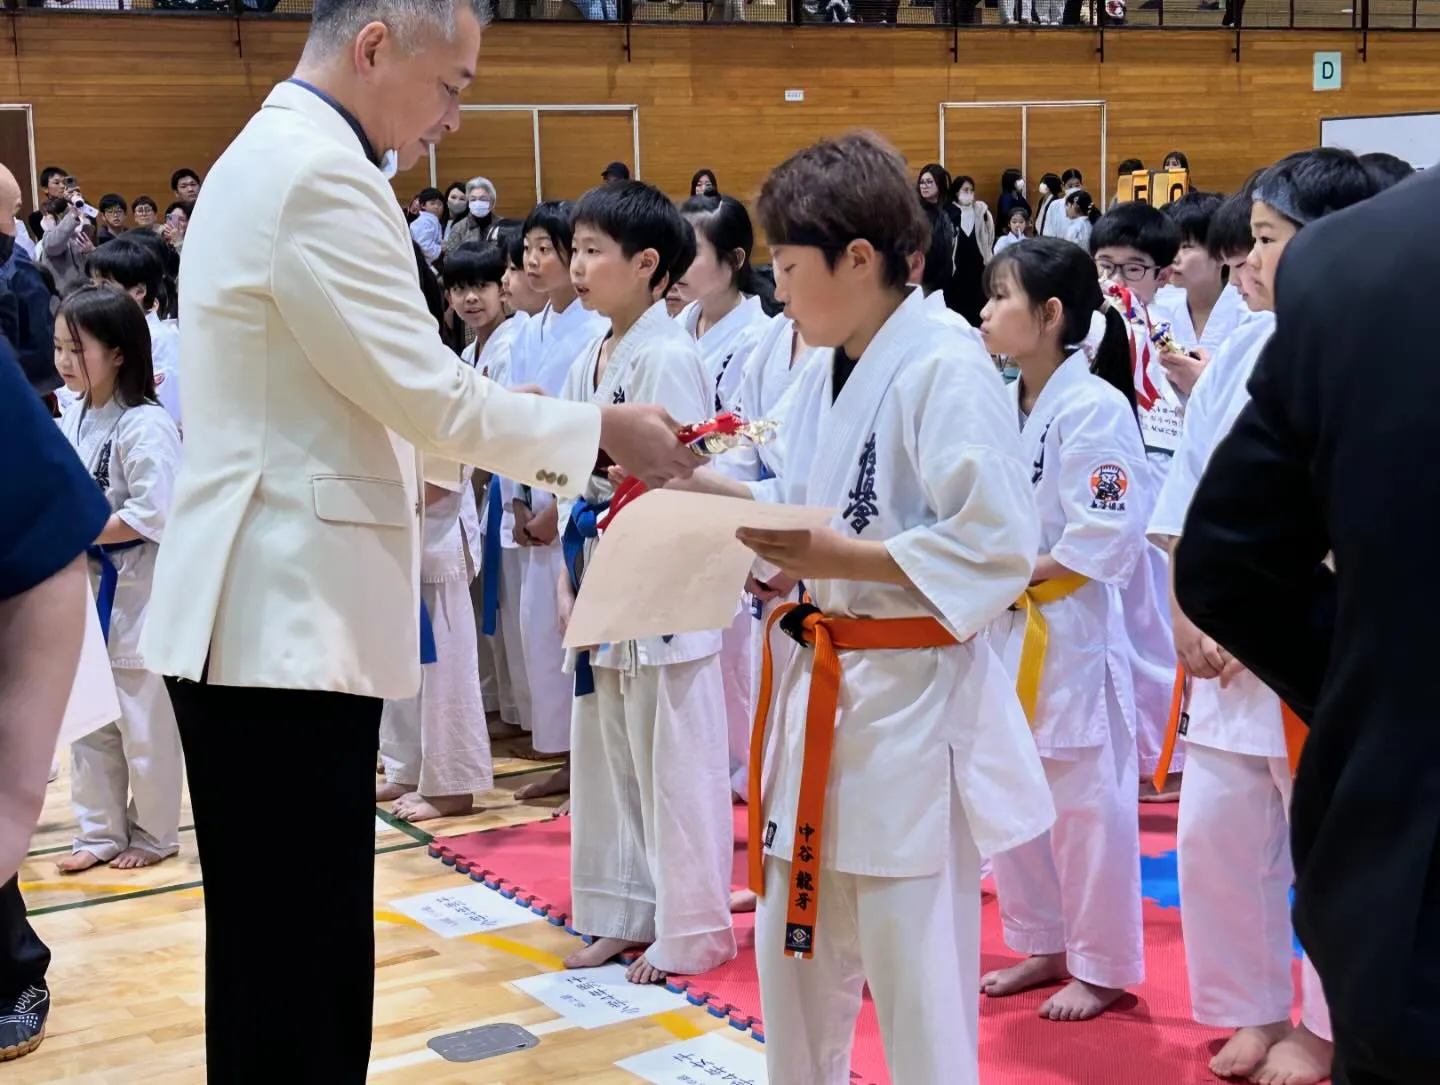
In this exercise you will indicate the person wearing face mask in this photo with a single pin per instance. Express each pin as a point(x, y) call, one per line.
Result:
point(1012, 195)
point(457, 206)
point(974, 244)
point(1054, 222)
point(1047, 195)
point(479, 215)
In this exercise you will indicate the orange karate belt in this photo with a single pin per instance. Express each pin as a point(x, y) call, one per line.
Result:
point(826, 636)
point(1296, 731)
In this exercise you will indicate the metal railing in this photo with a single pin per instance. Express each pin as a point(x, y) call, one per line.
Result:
point(952, 16)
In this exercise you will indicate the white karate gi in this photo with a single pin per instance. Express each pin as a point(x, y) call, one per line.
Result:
point(437, 742)
point(936, 308)
point(1235, 869)
point(932, 757)
point(542, 354)
point(652, 833)
point(125, 779)
point(728, 349)
point(165, 357)
point(1171, 305)
point(1145, 598)
point(1076, 890)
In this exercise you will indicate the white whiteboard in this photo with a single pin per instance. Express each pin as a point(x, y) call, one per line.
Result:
point(1414, 137)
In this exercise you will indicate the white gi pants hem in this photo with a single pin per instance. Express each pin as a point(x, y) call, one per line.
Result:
point(915, 941)
point(1235, 877)
point(551, 689)
point(652, 831)
point(511, 634)
point(126, 778)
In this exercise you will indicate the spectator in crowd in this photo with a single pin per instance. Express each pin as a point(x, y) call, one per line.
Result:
point(616, 171)
point(931, 186)
point(146, 214)
point(479, 218)
point(52, 181)
point(704, 183)
point(457, 206)
point(26, 321)
point(66, 244)
point(974, 243)
point(425, 230)
point(185, 183)
point(1012, 195)
point(112, 218)
point(1126, 168)
point(1176, 160)
point(22, 234)
point(177, 221)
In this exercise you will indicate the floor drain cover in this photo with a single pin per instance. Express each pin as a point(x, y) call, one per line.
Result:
point(484, 1042)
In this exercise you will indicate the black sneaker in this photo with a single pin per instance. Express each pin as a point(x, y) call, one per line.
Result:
point(22, 1022)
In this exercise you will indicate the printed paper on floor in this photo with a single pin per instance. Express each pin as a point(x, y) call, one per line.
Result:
point(712, 1059)
point(596, 997)
point(470, 909)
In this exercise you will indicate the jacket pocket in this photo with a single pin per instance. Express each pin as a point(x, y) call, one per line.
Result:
point(352, 499)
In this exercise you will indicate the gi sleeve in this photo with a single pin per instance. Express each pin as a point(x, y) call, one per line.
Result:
point(149, 453)
point(1102, 476)
point(976, 556)
point(1188, 464)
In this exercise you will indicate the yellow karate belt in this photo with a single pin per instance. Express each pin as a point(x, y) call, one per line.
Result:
point(1037, 635)
point(825, 635)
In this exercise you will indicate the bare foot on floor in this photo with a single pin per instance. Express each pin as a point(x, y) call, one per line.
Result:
point(77, 861)
point(428, 807)
point(641, 971)
point(557, 783)
point(1079, 1001)
point(388, 792)
point(601, 951)
point(1301, 1058)
point(561, 811)
point(1246, 1049)
point(135, 858)
point(1032, 972)
point(1170, 794)
point(742, 900)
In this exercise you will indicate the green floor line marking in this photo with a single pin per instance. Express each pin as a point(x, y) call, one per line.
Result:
point(409, 845)
point(553, 766)
point(403, 826)
point(58, 848)
point(90, 902)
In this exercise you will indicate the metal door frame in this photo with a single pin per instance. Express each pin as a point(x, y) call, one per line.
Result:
point(1025, 108)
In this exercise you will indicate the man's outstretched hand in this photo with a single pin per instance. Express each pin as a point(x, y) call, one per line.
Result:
point(642, 439)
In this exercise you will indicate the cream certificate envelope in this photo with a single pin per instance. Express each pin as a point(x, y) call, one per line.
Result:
point(670, 563)
point(92, 702)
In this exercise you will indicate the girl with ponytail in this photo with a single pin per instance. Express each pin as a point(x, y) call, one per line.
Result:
point(1070, 899)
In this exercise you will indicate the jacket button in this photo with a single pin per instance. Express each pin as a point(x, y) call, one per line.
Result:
point(561, 480)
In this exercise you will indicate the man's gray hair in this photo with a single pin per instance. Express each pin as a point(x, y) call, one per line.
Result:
point(334, 23)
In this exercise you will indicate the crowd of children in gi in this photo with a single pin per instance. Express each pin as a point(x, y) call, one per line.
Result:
point(975, 661)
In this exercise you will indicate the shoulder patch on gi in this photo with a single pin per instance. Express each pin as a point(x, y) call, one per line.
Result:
point(1108, 486)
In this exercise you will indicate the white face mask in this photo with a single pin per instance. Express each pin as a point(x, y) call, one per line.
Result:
point(1020, 186)
point(480, 208)
point(1044, 188)
point(389, 164)
point(967, 199)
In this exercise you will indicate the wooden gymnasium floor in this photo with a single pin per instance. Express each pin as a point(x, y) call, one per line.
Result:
point(127, 987)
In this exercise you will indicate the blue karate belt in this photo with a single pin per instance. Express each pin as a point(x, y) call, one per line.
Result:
point(427, 636)
point(582, 525)
point(490, 559)
point(109, 578)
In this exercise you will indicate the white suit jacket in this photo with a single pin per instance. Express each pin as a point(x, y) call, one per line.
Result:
point(314, 380)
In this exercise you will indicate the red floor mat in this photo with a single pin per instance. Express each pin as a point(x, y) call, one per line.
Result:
point(1149, 1040)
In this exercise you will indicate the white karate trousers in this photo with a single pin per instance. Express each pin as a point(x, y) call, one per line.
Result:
point(126, 778)
point(915, 941)
point(551, 689)
point(652, 829)
point(511, 634)
point(736, 665)
point(1235, 878)
point(437, 741)
point(1076, 889)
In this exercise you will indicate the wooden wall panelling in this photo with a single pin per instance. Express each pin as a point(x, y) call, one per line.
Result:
point(576, 147)
point(496, 145)
point(982, 143)
point(1061, 137)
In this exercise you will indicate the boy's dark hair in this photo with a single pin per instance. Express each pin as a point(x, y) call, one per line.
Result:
point(1192, 213)
point(1229, 234)
point(112, 199)
point(473, 264)
point(181, 205)
point(1308, 185)
point(726, 225)
point(1138, 226)
point(180, 175)
point(842, 190)
point(430, 195)
point(1049, 267)
point(145, 201)
point(110, 316)
point(637, 217)
point(615, 171)
point(1129, 166)
point(130, 262)
point(510, 240)
point(1386, 169)
point(55, 207)
point(686, 256)
point(557, 219)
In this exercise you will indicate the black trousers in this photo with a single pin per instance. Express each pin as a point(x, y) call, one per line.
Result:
point(1356, 1064)
point(23, 957)
point(274, 973)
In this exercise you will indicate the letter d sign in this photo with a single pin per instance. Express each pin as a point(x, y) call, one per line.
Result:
point(1327, 71)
